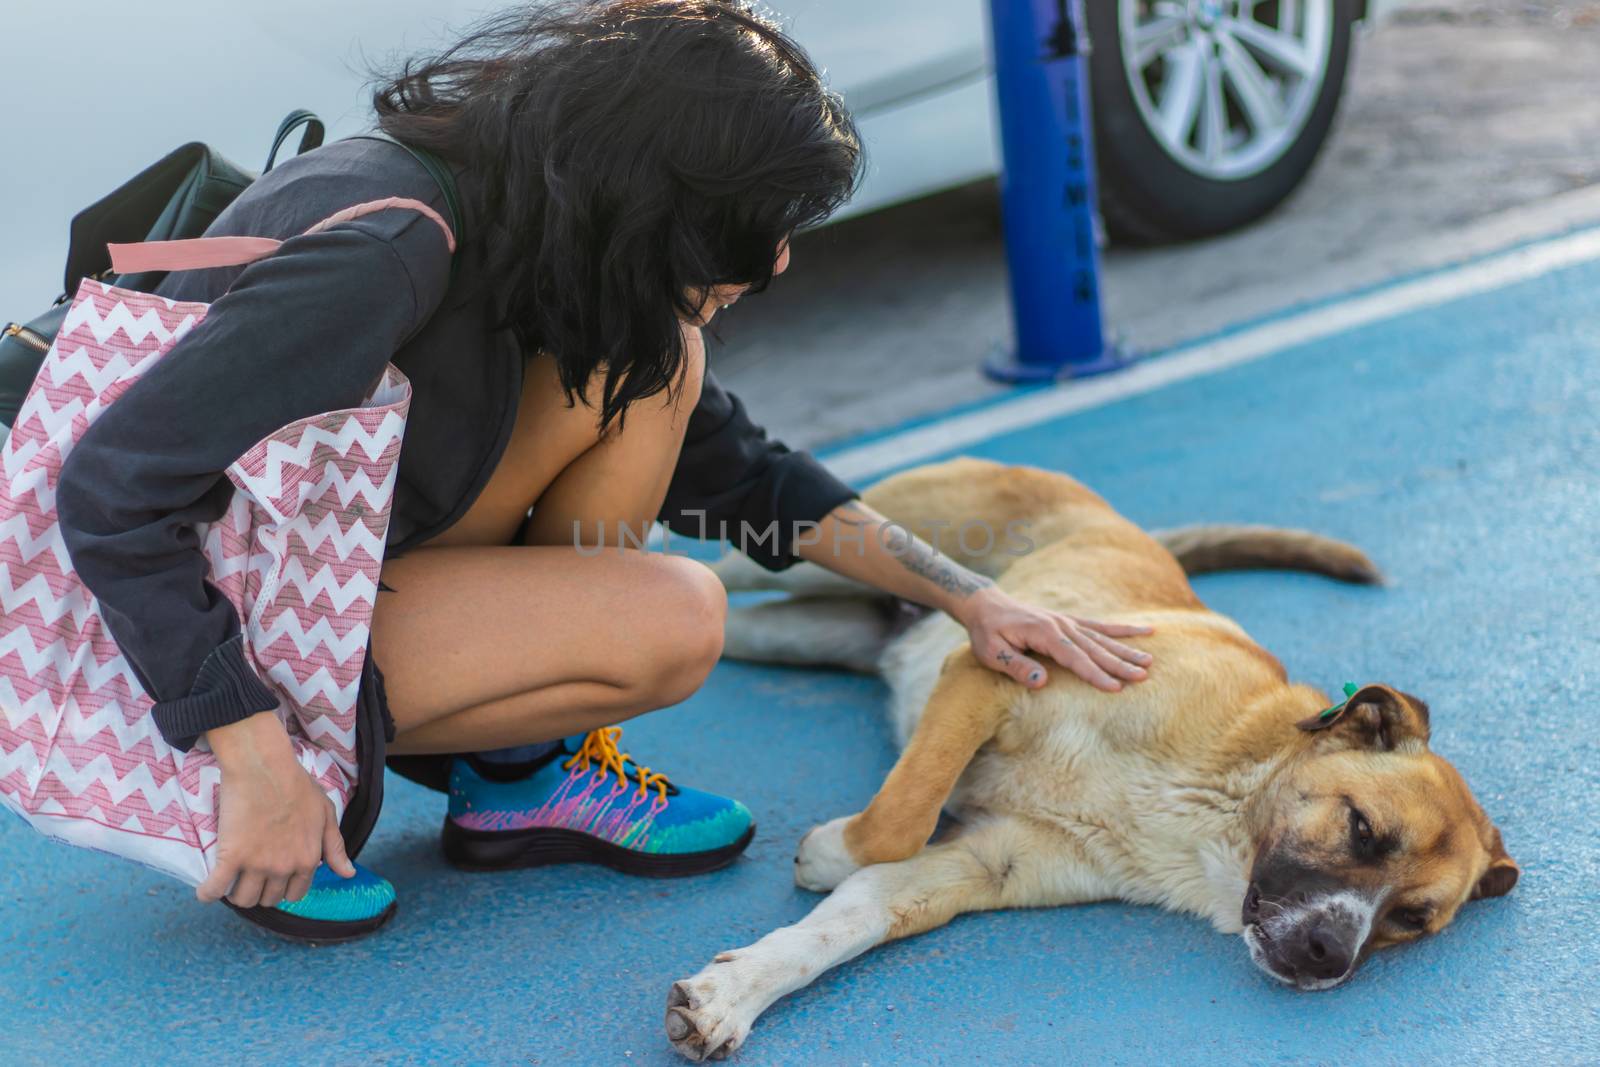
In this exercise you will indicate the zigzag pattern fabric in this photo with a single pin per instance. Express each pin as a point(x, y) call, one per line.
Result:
point(297, 554)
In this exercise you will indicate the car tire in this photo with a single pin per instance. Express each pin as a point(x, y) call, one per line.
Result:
point(1157, 187)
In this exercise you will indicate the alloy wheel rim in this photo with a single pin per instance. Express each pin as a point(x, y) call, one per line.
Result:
point(1225, 86)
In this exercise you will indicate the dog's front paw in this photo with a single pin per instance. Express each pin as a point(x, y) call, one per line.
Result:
point(822, 861)
point(705, 1020)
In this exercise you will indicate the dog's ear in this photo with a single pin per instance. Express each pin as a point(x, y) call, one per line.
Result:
point(1503, 871)
point(1375, 716)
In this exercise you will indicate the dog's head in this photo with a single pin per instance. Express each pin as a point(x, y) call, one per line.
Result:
point(1371, 840)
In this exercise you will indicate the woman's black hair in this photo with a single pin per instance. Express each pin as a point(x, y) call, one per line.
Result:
point(626, 156)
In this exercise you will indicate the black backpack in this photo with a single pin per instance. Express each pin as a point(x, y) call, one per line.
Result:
point(174, 198)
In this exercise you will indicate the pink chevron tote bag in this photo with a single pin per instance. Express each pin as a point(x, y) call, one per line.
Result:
point(297, 553)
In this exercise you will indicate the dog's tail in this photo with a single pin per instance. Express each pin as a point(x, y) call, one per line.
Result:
point(1222, 547)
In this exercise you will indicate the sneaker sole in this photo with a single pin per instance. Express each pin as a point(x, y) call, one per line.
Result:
point(312, 931)
point(540, 846)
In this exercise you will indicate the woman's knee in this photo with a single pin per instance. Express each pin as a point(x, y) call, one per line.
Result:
point(692, 611)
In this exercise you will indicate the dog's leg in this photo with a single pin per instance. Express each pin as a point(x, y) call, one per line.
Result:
point(995, 862)
point(849, 632)
point(968, 703)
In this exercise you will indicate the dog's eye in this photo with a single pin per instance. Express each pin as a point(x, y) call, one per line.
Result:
point(1360, 832)
point(1409, 918)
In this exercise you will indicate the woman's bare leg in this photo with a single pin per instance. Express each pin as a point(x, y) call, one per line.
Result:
point(489, 647)
point(485, 644)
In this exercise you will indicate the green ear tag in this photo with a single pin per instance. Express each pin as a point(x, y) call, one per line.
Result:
point(1350, 690)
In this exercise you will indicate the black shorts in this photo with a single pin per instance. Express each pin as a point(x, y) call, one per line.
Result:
point(374, 731)
point(431, 771)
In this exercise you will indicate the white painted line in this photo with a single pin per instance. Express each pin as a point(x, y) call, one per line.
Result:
point(958, 431)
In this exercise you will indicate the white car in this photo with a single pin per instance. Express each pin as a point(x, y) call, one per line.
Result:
point(1207, 113)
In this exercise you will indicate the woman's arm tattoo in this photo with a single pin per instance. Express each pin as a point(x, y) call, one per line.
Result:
point(923, 560)
point(914, 554)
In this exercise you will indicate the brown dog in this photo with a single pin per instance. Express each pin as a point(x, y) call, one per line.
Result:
point(1216, 787)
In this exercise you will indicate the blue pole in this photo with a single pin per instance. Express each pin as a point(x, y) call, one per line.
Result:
point(1047, 193)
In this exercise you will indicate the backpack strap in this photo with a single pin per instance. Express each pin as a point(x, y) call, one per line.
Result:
point(201, 252)
point(438, 170)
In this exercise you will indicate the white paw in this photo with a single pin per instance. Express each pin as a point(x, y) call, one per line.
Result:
point(708, 1017)
point(822, 861)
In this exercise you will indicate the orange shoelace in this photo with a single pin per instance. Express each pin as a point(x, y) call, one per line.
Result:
point(600, 747)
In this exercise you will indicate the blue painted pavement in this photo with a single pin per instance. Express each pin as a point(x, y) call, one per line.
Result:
point(1458, 444)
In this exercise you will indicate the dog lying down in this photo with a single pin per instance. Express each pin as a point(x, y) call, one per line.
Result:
point(1216, 787)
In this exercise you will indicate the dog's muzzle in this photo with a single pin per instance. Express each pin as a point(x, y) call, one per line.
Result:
point(1311, 944)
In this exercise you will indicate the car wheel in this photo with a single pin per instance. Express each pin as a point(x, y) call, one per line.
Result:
point(1209, 112)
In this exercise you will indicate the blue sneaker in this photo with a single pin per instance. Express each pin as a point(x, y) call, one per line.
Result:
point(589, 802)
point(334, 908)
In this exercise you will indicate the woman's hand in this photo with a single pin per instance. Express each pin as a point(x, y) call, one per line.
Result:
point(1004, 631)
point(274, 824)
